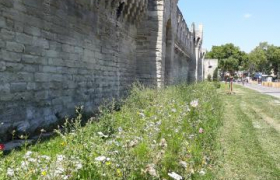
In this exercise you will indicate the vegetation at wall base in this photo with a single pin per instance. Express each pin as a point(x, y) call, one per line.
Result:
point(157, 134)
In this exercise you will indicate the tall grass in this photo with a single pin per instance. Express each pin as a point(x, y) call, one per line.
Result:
point(157, 134)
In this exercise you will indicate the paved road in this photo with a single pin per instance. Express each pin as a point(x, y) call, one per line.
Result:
point(264, 90)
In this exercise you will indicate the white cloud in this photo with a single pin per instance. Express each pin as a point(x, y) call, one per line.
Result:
point(247, 15)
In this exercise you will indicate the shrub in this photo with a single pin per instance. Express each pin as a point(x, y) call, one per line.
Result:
point(209, 78)
point(215, 75)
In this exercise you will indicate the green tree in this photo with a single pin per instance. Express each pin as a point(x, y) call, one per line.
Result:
point(258, 59)
point(273, 56)
point(264, 58)
point(230, 57)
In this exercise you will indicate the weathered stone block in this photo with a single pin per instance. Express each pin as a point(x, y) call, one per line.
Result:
point(2, 22)
point(7, 34)
point(4, 88)
point(51, 53)
point(31, 59)
point(41, 43)
point(24, 38)
point(48, 69)
point(34, 50)
point(18, 87)
point(41, 95)
point(2, 66)
point(31, 30)
point(2, 44)
point(16, 47)
point(43, 77)
point(10, 56)
point(67, 48)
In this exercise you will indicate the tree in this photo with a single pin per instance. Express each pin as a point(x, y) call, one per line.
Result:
point(258, 59)
point(230, 57)
point(230, 64)
point(264, 58)
point(273, 56)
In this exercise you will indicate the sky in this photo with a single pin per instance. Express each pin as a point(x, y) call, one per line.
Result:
point(245, 23)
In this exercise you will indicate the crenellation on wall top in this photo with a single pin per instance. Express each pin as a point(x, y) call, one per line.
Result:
point(131, 11)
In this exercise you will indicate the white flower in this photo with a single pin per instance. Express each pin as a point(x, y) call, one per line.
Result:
point(188, 108)
point(10, 172)
point(79, 166)
point(100, 158)
point(163, 143)
point(46, 157)
point(102, 135)
point(120, 129)
point(27, 154)
point(59, 170)
point(60, 158)
point(133, 143)
point(24, 165)
point(65, 177)
point(183, 164)
point(194, 103)
point(191, 136)
point(142, 115)
point(151, 170)
point(174, 110)
point(202, 172)
point(32, 160)
point(175, 176)
point(158, 123)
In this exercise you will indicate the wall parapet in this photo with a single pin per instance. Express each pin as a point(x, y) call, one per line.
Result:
point(184, 36)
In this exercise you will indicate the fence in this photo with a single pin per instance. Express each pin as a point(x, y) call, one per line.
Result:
point(271, 84)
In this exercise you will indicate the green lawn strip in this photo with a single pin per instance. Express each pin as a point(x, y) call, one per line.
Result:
point(268, 136)
point(267, 104)
point(244, 156)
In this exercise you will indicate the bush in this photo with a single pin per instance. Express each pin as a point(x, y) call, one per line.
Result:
point(217, 84)
point(156, 134)
point(215, 75)
point(209, 78)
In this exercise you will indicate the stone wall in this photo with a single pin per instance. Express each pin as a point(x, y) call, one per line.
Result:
point(58, 54)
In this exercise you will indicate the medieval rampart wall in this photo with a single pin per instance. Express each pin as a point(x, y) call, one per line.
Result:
point(58, 54)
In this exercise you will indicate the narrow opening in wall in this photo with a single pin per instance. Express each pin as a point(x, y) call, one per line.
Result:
point(119, 9)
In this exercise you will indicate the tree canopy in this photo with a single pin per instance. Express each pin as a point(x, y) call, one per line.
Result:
point(230, 57)
point(264, 58)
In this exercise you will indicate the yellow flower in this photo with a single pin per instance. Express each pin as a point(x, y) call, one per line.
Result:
point(44, 173)
point(108, 163)
point(119, 173)
point(63, 143)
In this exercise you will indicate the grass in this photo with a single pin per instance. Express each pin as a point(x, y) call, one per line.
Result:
point(157, 134)
point(250, 143)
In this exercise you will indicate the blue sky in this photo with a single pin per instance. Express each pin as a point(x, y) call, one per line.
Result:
point(245, 23)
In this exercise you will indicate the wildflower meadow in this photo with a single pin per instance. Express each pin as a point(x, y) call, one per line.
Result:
point(155, 134)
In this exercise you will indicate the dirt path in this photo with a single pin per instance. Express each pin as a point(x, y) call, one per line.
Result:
point(249, 137)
